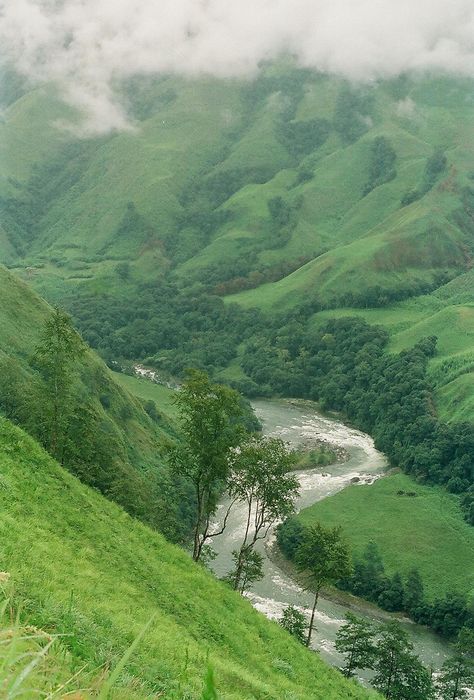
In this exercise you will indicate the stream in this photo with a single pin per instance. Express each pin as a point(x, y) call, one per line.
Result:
point(299, 424)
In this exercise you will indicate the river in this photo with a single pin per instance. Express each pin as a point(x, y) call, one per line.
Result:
point(299, 423)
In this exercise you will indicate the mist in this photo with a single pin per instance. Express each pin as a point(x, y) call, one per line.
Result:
point(86, 47)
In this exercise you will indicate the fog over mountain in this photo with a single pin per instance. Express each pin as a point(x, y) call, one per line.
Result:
point(86, 46)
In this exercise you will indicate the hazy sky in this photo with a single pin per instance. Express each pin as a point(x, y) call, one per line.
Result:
point(83, 45)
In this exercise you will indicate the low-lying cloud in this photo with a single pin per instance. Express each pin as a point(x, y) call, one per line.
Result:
point(85, 46)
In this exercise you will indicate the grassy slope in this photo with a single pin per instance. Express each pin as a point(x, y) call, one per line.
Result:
point(87, 569)
point(145, 389)
point(427, 532)
point(22, 315)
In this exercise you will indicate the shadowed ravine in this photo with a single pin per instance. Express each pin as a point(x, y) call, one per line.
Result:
point(298, 423)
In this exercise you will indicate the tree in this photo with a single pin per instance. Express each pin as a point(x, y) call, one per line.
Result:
point(457, 673)
point(413, 597)
point(261, 478)
point(323, 556)
point(248, 566)
point(356, 640)
point(289, 536)
point(56, 354)
point(294, 622)
point(210, 416)
point(391, 597)
point(399, 674)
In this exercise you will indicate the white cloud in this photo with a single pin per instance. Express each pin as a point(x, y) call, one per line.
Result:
point(406, 108)
point(84, 45)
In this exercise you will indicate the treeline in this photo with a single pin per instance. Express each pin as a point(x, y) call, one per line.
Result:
point(435, 166)
point(396, 593)
point(343, 365)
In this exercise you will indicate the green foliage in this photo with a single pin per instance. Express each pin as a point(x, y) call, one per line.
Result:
point(446, 615)
point(209, 417)
point(174, 329)
point(303, 137)
point(289, 536)
point(247, 570)
point(351, 112)
point(457, 673)
point(399, 675)
point(435, 166)
point(294, 622)
point(57, 355)
point(260, 477)
point(381, 164)
point(355, 639)
point(323, 557)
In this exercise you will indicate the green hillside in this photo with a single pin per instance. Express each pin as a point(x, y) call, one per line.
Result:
point(82, 568)
point(150, 391)
point(116, 445)
point(293, 191)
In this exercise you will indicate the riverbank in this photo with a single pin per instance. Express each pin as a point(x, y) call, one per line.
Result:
point(359, 606)
point(297, 423)
point(414, 526)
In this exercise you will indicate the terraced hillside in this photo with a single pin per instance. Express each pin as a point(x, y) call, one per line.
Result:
point(294, 190)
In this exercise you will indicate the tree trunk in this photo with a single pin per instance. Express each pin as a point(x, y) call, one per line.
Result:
point(311, 622)
point(238, 570)
point(197, 538)
point(240, 561)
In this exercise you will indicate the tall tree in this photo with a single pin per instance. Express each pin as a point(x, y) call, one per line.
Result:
point(210, 416)
point(58, 351)
point(457, 673)
point(355, 639)
point(261, 478)
point(323, 557)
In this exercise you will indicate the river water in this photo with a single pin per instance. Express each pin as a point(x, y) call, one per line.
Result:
point(299, 424)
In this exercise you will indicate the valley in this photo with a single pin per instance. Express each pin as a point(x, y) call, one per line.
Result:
point(306, 243)
point(297, 424)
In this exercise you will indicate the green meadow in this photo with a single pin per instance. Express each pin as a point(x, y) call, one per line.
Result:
point(426, 531)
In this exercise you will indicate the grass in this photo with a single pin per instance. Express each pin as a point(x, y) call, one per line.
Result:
point(427, 532)
point(82, 568)
point(147, 390)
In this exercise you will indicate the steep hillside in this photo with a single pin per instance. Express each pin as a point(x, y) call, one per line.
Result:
point(82, 568)
point(115, 445)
